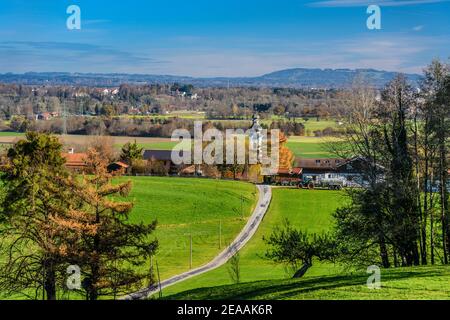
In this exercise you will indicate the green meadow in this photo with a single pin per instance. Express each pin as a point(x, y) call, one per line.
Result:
point(312, 125)
point(304, 147)
point(186, 207)
point(261, 279)
point(10, 134)
point(307, 209)
point(418, 283)
point(310, 147)
point(157, 145)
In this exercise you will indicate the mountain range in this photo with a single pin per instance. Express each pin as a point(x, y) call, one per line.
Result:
point(292, 78)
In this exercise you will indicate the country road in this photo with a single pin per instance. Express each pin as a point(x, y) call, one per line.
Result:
point(265, 196)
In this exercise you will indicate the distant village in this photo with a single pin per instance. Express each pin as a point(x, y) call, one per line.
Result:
point(330, 173)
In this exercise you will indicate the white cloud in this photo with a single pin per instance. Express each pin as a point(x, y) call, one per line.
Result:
point(418, 28)
point(392, 52)
point(395, 52)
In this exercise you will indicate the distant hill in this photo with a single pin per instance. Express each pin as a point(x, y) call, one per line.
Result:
point(330, 78)
point(294, 78)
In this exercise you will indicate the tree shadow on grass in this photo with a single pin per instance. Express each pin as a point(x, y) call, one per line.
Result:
point(286, 289)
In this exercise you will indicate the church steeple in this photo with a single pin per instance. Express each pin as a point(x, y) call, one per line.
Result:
point(256, 137)
point(255, 123)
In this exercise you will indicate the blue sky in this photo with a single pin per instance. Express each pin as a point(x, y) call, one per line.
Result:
point(220, 37)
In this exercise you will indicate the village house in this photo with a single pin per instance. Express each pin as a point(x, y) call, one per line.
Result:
point(75, 161)
point(193, 96)
point(351, 172)
point(163, 158)
point(134, 111)
point(285, 176)
point(317, 168)
point(118, 166)
point(46, 115)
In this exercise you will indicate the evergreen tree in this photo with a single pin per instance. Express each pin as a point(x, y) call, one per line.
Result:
point(32, 197)
point(115, 255)
point(131, 152)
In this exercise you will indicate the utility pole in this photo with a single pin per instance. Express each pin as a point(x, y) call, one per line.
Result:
point(220, 234)
point(242, 207)
point(151, 267)
point(64, 119)
point(159, 280)
point(190, 260)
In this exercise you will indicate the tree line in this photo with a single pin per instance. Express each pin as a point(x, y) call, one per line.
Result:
point(217, 103)
point(401, 216)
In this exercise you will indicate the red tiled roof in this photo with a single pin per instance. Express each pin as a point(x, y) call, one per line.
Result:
point(318, 163)
point(289, 171)
point(122, 164)
point(284, 171)
point(75, 159)
point(188, 170)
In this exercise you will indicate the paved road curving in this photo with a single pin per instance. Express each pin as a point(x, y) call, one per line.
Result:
point(265, 196)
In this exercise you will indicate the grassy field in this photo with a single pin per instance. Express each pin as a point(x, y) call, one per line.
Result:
point(313, 125)
point(7, 138)
point(417, 283)
point(307, 209)
point(185, 207)
point(10, 134)
point(192, 115)
point(310, 147)
point(305, 147)
point(157, 145)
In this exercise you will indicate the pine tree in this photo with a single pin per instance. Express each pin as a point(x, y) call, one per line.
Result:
point(131, 152)
point(32, 197)
point(113, 257)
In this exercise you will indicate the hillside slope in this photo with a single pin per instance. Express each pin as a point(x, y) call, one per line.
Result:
point(307, 209)
point(397, 284)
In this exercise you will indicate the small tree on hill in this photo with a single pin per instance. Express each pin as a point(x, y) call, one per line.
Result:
point(297, 249)
point(234, 268)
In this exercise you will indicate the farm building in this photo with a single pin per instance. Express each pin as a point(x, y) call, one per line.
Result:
point(285, 176)
point(349, 172)
point(317, 167)
point(75, 161)
point(46, 115)
point(164, 159)
point(118, 166)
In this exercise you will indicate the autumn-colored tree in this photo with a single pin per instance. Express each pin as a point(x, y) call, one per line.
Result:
point(32, 196)
point(115, 254)
point(104, 145)
point(286, 157)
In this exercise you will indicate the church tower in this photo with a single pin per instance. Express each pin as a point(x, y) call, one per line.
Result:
point(256, 136)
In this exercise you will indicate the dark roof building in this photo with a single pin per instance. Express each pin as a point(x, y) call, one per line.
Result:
point(164, 157)
point(159, 155)
point(319, 165)
point(118, 166)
